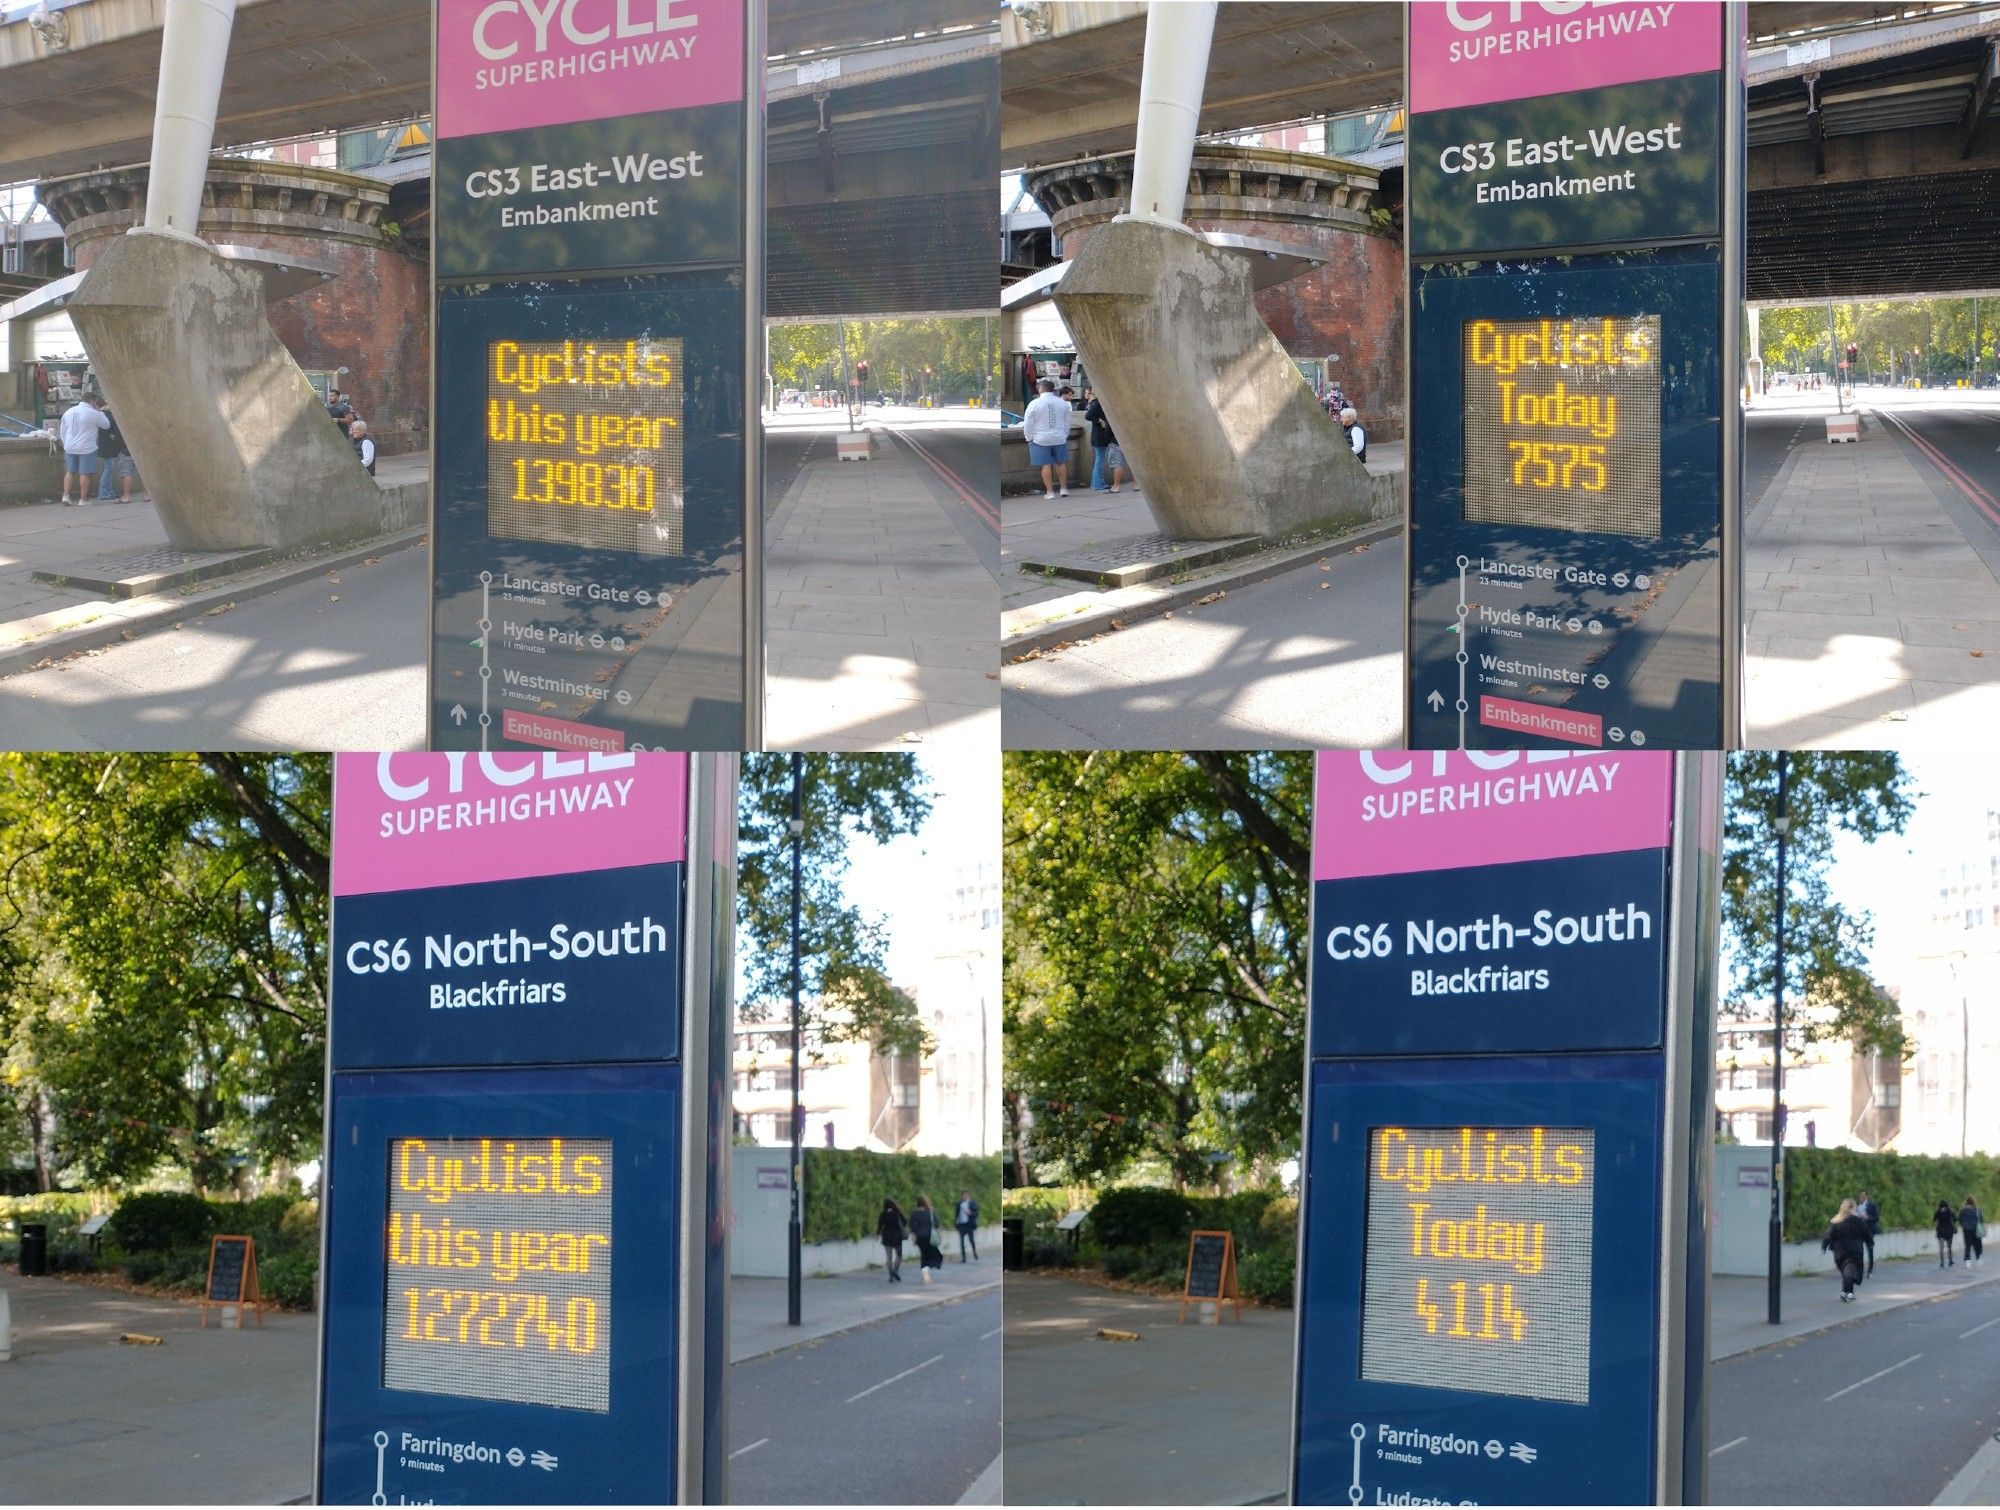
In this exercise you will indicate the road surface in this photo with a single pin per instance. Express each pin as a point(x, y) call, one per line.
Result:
point(1883, 1411)
point(1308, 658)
point(904, 1412)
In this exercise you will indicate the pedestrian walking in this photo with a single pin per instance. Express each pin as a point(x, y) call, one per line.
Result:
point(1104, 441)
point(1046, 425)
point(1944, 1222)
point(967, 1222)
point(1846, 1239)
point(81, 426)
point(1357, 437)
point(363, 443)
point(1972, 1229)
point(117, 463)
point(924, 1229)
point(891, 1228)
point(1869, 1212)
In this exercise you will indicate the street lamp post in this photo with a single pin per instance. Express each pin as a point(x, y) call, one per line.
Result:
point(794, 1255)
point(1964, 1048)
point(1783, 825)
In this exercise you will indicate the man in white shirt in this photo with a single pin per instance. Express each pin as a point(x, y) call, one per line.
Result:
point(1046, 426)
point(81, 425)
point(1357, 437)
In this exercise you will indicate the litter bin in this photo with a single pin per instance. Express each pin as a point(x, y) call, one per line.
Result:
point(1013, 1234)
point(34, 1248)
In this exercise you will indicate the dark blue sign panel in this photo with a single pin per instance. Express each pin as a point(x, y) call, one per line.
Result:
point(498, 1319)
point(1536, 957)
point(631, 192)
point(1620, 165)
point(589, 456)
point(588, 574)
point(1566, 503)
point(566, 969)
point(1497, 1344)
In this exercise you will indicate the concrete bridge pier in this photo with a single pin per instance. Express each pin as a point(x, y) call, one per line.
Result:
point(228, 433)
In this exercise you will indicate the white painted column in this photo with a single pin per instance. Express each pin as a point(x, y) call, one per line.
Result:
point(194, 48)
point(1178, 33)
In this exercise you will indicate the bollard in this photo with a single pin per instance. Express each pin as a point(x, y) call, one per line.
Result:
point(6, 1330)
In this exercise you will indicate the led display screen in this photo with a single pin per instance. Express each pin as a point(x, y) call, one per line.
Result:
point(1477, 1269)
point(499, 1270)
point(583, 443)
point(1562, 424)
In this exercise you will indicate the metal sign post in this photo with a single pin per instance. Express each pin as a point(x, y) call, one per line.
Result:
point(1574, 235)
point(597, 379)
point(523, 1271)
point(1503, 1241)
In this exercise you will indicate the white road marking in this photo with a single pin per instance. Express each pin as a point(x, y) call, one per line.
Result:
point(997, 1330)
point(892, 1379)
point(751, 1448)
point(1873, 1377)
point(1980, 1328)
point(1716, 1452)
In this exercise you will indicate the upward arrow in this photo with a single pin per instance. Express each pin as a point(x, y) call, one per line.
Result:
point(458, 713)
point(1436, 700)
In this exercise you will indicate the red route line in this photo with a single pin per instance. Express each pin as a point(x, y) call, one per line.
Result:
point(1974, 493)
point(952, 480)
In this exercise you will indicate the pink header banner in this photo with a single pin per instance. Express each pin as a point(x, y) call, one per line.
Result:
point(1393, 812)
point(503, 65)
point(405, 822)
point(1478, 52)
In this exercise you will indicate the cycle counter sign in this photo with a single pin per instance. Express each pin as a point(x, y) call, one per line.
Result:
point(593, 426)
point(1507, 1089)
point(522, 1256)
point(1575, 246)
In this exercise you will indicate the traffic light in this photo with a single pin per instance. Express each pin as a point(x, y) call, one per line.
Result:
point(1853, 353)
point(862, 369)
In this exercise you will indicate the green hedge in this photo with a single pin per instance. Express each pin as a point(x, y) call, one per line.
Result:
point(845, 1188)
point(1906, 1186)
point(1040, 1207)
point(62, 1211)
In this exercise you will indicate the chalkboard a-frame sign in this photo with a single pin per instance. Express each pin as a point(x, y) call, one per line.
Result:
point(232, 1278)
point(1211, 1272)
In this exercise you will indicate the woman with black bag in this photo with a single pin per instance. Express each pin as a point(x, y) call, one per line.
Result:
point(889, 1227)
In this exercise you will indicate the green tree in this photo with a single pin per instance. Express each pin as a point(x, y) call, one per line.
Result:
point(1155, 963)
point(173, 913)
point(847, 798)
point(1825, 942)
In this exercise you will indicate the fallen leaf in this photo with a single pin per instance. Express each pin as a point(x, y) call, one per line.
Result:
point(1358, 549)
point(209, 613)
point(1214, 597)
point(1326, 587)
point(371, 560)
point(1978, 655)
point(333, 597)
point(333, 576)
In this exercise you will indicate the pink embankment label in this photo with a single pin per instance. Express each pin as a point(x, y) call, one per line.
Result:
point(1392, 812)
point(1540, 719)
point(1477, 52)
point(503, 65)
point(402, 822)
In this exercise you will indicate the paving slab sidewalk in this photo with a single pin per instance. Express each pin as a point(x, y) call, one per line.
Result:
point(1037, 608)
point(879, 617)
point(40, 619)
point(1873, 618)
point(1195, 1414)
point(215, 1416)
